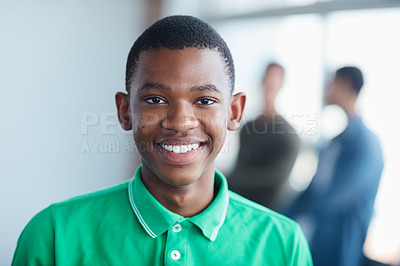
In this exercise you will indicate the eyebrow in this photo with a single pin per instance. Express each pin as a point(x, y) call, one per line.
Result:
point(151, 85)
point(207, 87)
point(160, 86)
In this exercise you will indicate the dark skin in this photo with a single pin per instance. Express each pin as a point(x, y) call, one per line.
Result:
point(180, 107)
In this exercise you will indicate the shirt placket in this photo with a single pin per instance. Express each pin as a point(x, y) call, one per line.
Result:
point(176, 250)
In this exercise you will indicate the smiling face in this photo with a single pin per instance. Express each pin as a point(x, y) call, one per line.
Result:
point(181, 108)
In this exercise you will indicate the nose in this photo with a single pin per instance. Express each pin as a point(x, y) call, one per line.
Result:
point(180, 117)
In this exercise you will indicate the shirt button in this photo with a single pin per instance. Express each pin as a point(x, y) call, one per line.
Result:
point(175, 255)
point(177, 228)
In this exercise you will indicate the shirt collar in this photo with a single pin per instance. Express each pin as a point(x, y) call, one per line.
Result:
point(156, 219)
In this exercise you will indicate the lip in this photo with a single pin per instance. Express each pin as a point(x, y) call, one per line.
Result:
point(179, 158)
point(179, 141)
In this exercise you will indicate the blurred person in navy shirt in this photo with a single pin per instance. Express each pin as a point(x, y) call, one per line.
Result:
point(336, 209)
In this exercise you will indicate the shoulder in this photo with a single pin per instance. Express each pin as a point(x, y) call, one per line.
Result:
point(284, 126)
point(248, 127)
point(372, 138)
point(359, 138)
point(101, 195)
point(253, 210)
point(85, 211)
point(37, 240)
point(43, 223)
point(271, 231)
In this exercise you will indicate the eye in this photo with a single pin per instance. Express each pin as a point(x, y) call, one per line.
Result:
point(205, 101)
point(154, 100)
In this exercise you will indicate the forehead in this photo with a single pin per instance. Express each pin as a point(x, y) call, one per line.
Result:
point(182, 68)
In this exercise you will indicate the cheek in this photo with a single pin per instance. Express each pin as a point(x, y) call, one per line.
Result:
point(145, 122)
point(144, 126)
point(216, 126)
point(220, 123)
point(329, 93)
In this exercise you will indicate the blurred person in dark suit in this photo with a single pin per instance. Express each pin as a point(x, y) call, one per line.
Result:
point(336, 209)
point(268, 149)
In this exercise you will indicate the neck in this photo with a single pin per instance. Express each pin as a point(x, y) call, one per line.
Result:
point(349, 108)
point(269, 109)
point(188, 200)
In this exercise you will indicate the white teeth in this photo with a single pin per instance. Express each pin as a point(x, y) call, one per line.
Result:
point(167, 147)
point(180, 148)
point(184, 149)
point(176, 149)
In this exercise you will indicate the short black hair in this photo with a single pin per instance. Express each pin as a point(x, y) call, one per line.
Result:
point(353, 75)
point(178, 33)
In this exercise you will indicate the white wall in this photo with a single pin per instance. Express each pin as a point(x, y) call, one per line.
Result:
point(60, 63)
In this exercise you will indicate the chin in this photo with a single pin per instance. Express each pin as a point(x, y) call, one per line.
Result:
point(179, 176)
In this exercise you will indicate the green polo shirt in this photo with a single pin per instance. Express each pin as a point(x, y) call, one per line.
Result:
point(126, 225)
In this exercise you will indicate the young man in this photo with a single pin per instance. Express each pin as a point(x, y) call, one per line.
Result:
point(177, 210)
point(339, 203)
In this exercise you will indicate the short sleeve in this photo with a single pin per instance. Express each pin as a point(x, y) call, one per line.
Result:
point(36, 243)
point(301, 253)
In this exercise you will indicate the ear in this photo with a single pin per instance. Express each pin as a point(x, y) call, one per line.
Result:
point(124, 116)
point(238, 102)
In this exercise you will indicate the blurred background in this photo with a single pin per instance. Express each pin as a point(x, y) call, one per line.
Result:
point(61, 63)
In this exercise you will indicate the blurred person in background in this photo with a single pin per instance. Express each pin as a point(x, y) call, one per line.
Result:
point(268, 149)
point(336, 209)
